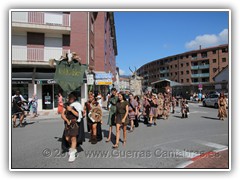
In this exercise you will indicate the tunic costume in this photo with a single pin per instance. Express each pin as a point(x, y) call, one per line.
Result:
point(153, 110)
point(89, 106)
point(160, 106)
point(72, 130)
point(132, 110)
point(222, 110)
point(120, 112)
point(112, 112)
point(167, 105)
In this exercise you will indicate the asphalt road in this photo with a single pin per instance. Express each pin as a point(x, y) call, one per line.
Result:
point(168, 145)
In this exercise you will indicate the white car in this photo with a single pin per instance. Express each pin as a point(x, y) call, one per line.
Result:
point(211, 100)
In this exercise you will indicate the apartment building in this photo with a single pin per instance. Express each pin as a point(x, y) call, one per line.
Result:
point(189, 68)
point(37, 37)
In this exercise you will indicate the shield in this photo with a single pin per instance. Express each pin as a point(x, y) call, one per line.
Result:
point(95, 114)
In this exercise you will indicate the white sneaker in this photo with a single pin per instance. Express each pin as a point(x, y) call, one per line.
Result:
point(72, 155)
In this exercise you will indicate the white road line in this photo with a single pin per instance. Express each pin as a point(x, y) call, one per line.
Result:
point(219, 150)
point(213, 145)
point(184, 164)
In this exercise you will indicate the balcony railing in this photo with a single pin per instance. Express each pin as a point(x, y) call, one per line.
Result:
point(164, 71)
point(44, 18)
point(206, 66)
point(23, 53)
point(200, 75)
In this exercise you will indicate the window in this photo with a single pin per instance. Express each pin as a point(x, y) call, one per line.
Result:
point(224, 60)
point(225, 50)
point(187, 56)
point(214, 51)
point(171, 66)
point(187, 72)
point(187, 64)
point(171, 74)
point(181, 64)
point(176, 80)
point(35, 38)
point(65, 40)
point(175, 73)
point(175, 65)
point(187, 80)
point(214, 60)
point(181, 72)
point(181, 80)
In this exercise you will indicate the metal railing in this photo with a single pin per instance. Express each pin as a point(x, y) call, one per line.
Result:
point(206, 66)
point(200, 75)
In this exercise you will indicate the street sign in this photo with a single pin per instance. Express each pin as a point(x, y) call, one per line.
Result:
point(103, 82)
point(90, 79)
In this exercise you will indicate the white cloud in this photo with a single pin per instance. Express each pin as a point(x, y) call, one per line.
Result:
point(121, 72)
point(207, 40)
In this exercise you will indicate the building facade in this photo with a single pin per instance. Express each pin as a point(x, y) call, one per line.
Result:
point(37, 37)
point(190, 68)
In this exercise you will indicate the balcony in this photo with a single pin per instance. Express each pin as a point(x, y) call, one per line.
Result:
point(200, 75)
point(25, 54)
point(164, 71)
point(206, 66)
point(39, 21)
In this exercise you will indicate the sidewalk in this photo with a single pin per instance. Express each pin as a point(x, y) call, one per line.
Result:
point(211, 160)
point(49, 114)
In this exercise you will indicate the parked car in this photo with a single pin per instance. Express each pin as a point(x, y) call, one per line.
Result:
point(211, 100)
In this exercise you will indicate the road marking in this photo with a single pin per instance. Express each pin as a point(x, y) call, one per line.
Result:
point(213, 145)
point(184, 164)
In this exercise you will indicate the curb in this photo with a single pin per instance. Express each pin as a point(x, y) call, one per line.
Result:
point(201, 156)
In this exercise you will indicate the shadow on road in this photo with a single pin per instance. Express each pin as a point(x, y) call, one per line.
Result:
point(180, 117)
point(210, 118)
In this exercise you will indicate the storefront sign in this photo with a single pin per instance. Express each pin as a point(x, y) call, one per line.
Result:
point(103, 75)
point(50, 81)
point(21, 81)
point(90, 79)
point(103, 82)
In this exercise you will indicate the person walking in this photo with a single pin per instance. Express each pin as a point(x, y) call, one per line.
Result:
point(166, 105)
point(112, 101)
point(146, 108)
point(34, 105)
point(60, 103)
point(121, 119)
point(153, 111)
point(222, 107)
point(132, 111)
point(74, 128)
point(94, 127)
point(160, 102)
point(17, 110)
point(174, 102)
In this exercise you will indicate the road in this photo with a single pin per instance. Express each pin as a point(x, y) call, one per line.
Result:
point(168, 145)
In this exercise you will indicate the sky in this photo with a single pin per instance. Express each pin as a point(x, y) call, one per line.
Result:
point(146, 36)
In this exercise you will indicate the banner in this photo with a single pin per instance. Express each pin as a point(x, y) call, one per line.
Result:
point(69, 75)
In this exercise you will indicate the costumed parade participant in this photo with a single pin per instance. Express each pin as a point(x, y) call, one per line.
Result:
point(94, 119)
point(73, 134)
